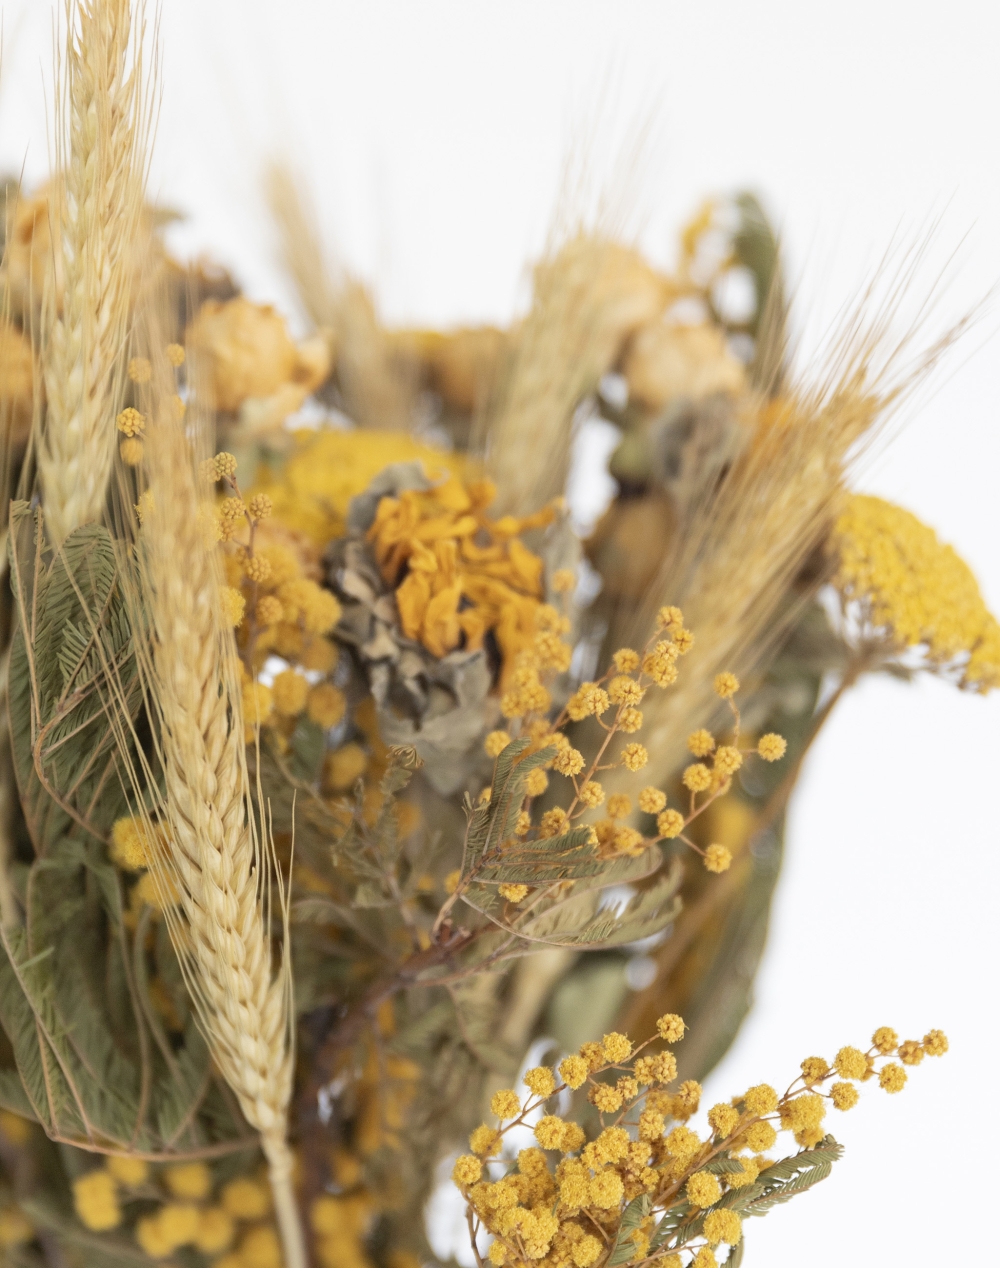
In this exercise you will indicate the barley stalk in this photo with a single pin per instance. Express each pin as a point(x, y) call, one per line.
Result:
point(215, 860)
point(101, 140)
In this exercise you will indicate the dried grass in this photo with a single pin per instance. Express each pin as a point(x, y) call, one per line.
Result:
point(96, 202)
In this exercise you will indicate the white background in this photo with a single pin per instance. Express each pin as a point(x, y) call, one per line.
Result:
point(433, 135)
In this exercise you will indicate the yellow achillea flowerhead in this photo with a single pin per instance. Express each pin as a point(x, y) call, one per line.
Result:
point(95, 1199)
point(505, 1104)
point(915, 589)
point(726, 685)
point(844, 1096)
point(513, 894)
point(771, 747)
point(703, 1189)
point(697, 777)
point(717, 858)
point(723, 1226)
point(495, 743)
point(892, 1078)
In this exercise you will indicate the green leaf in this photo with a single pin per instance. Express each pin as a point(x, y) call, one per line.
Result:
point(624, 1248)
point(493, 823)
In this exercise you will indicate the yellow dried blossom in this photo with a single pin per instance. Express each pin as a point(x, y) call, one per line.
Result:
point(703, 1189)
point(723, 1118)
point(850, 1063)
point(760, 1137)
point(663, 1067)
point(131, 452)
point(626, 660)
point(257, 568)
point(495, 743)
point(634, 757)
point(686, 1099)
point(189, 1180)
point(497, 1253)
point(619, 805)
point(670, 1027)
point(95, 1200)
point(233, 606)
point(703, 1259)
point(717, 858)
point(606, 1190)
point(269, 610)
point(129, 846)
point(550, 1131)
point(670, 823)
point(771, 747)
point(128, 1171)
point(536, 783)
point(682, 1143)
point(697, 777)
point(522, 823)
point(505, 1104)
point(670, 618)
point(617, 1047)
point(484, 1141)
point(225, 465)
point(289, 692)
point(910, 1052)
point(130, 422)
point(588, 699)
point(885, 1040)
point(541, 1081)
point(844, 1095)
point(652, 801)
point(513, 893)
point(624, 690)
point(740, 1179)
point(761, 1099)
point(569, 761)
point(343, 767)
point(630, 721)
point(723, 1226)
point(233, 508)
point(246, 1199)
point(139, 370)
point(892, 1077)
point(803, 1112)
point(683, 641)
point(701, 742)
point(815, 1068)
point(563, 580)
point(661, 664)
point(467, 1170)
point(916, 589)
point(586, 1251)
point(325, 704)
point(591, 794)
point(935, 1043)
point(607, 1100)
point(728, 760)
point(726, 685)
point(260, 507)
point(313, 607)
point(573, 1071)
point(175, 354)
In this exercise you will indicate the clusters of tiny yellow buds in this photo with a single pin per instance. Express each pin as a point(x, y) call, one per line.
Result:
point(505, 1104)
point(129, 848)
point(670, 618)
point(701, 742)
point(233, 606)
point(569, 761)
point(619, 805)
point(815, 1068)
point(512, 892)
point(697, 777)
point(223, 465)
point(269, 610)
point(139, 370)
point(467, 1170)
point(554, 823)
point(885, 1040)
point(630, 721)
point(851, 1063)
point(910, 1052)
point(634, 756)
point(131, 452)
point(703, 1189)
point(661, 664)
point(522, 824)
point(723, 1226)
point(536, 783)
point(892, 1077)
point(760, 1137)
point(935, 1043)
point(670, 823)
point(624, 690)
point(728, 760)
point(670, 1027)
point(485, 1141)
point(772, 747)
point(130, 422)
point(626, 660)
point(761, 1099)
point(260, 506)
point(573, 1071)
point(495, 743)
point(724, 1118)
point(233, 509)
point(588, 699)
point(591, 794)
point(175, 354)
point(541, 1081)
point(726, 685)
point(652, 801)
point(617, 1047)
point(605, 1099)
point(844, 1095)
point(563, 580)
point(257, 568)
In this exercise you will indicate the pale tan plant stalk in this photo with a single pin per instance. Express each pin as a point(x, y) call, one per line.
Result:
point(101, 148)
point(213, 859)
point(588, 297)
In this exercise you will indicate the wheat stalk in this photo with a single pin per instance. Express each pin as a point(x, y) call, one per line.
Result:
point(103, 123)
point(214, 861)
